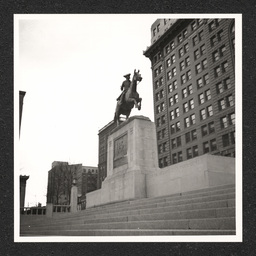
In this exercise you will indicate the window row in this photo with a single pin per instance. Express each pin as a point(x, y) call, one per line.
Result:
point(171, 73)
point(223, 85)
point(185, 63)
point(216, 38)
point(176, 142)
point(174, 99)
point(186, 77)
point(162, 148)
point(190, 136)
point(206, 112)
point(214, 24)
point(217, 54)
point(227, 120)
point(204, 96)
point(192, 152)
point(201, 66)
point(159, 82)
point(160, 121)
point(196, 23)
point(183, 50)
point(170, 61)
point(209, 146)
point(159, 95)
point(161, 134)
point(187, 91)
point(174, 113)
point(199, 52)
point(228, 139)
point(160, 108)
point(177, 157)
point(175, 127)
point(158, 70)
point(221, 69)
point(173, 86)
point(190, 120)
point(202, 81)
point(226, 102)
point(198, 38)
point(207, 129)
point(188, 105)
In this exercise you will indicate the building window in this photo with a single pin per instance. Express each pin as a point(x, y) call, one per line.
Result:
point(201, 35)
point(199, 83)
point(160, 69)
point(161, 81)
point(198, 68)
point(191, 104)
point(206, 148)
point(174, 145)
point(181, 52)
point(167, 49)
point(232, 137)
point(185, 33)
point(222, 50)
point(195, 151)
point(183, 79)
point(169, 75)
point(180, 38)
point(196, 54)
point(227, 83)
point(173, 58)
point(225, 140)
point(194, 135)
point(221, 104)
point(230, 102)
point(185, 107)
point(189, 75)
point(162, 119)
point(187, 122)
point(177, 112)
point(168, 63)
point(187, 137)
point(232, 118)
point(176, 98)
point(220, 35)
point(177, 126)
point(171, 101)
point(212, 26)
point(182, 65)
point(224, 122)
point(201, 98)
point(206, 79)
point(174, 71)
point(190, 90)
point(174, 158)
point(172, 129)
point(193, 26)
point(204, 63)
point(213, 40)
point(208, 94)
point(189, 153)
point(202, 49)
point(178, 141)
point(195, 40)
point(187, 60)
point(209, 110)
point(174, 84)
point(217, 71)
point(202, 114)
point(172, 45)
point(186, 47)
point(224, 66)
point(219, 88)
point(211, 127)
point(204, 130)
point(172, 115)
point(180, 156)
point(184, 93)
point(213, 145)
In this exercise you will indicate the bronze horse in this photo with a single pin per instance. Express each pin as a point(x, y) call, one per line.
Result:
point(131, 98)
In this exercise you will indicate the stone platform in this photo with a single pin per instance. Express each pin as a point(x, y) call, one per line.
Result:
point(133, 172)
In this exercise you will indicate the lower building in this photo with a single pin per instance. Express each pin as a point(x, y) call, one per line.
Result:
point(60, 179)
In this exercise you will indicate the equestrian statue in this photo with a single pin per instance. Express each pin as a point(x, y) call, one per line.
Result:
point(129, 96)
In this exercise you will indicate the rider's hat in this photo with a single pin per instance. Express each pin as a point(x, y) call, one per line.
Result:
point(127, 76)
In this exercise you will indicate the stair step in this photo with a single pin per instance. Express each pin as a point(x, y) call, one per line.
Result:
point(131, 232)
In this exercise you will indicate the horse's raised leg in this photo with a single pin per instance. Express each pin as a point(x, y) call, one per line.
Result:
point(139, 103)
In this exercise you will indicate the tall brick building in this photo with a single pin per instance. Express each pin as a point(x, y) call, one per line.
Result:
point(193, 69)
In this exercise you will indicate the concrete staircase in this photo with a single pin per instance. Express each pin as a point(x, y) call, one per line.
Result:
point(203, 212)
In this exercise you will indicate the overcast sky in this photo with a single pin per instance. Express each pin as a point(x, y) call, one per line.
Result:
point(71, 68)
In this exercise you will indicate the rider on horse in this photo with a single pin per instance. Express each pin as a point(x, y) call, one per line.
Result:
point(124, 87)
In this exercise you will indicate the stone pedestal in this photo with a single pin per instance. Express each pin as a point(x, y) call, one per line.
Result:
point(132, 154)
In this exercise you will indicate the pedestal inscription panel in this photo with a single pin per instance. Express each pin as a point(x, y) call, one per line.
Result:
point(120, 151)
